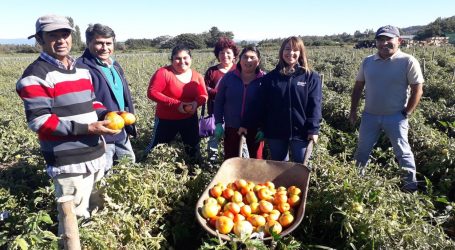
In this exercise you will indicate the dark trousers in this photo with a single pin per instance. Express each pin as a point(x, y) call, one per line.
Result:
point(166, 130)
point(232, 144)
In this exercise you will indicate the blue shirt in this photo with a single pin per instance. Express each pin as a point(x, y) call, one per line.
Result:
point(115, 82)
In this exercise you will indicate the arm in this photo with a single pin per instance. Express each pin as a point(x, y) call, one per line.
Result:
point(203, 96)
point(414, 99)
point(208, 82)
point(157, 84)
point(313, 110)
point(355, 98)
point(219, 102)
point(38, 100)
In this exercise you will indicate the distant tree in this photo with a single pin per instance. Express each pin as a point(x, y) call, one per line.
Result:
point(138, 43)
point(214, 34)
point(192, 41)
point(440, 27)
point(77, 40)
point(158, 41)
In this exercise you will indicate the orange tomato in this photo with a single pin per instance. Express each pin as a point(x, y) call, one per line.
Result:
point(280, 198)
point(188, 108)
point(265, 206)
point(224, 224)
point(273, 226)
point(269, 184)
point(210, 210)
point(237, 197)
point(254, 207)
point(228, 193)
point(294, 200)
point(221, 200)
point(216, 191)
point(274, 215)
point(283, 207)
point(286, 219)
point(245, 211)
point(251, 197)
point(240, 183)
point(128, 118)
point(116, 122)
point(233, 207)
point(265, 194)
point(294, 190)
point(257, 220)
point(239, 217)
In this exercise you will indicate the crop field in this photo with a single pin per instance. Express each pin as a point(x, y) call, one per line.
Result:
point(151, 204)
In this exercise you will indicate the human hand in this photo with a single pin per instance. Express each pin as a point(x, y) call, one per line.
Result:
point(313, 138)
point(219, 131)
point(242, 131)
point(99, 128)
point(259, 136)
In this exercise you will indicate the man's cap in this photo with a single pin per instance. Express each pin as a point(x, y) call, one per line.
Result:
point(388, 30)
point(50, 23)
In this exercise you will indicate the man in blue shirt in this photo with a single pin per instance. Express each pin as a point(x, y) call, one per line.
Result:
point(111, 87)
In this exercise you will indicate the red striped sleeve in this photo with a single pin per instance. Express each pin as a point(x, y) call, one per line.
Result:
point(50, 125)
point(33, 91)
point(66, 87)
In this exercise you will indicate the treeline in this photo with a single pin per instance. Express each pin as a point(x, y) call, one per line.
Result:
point(440, 27)
point(193, 41)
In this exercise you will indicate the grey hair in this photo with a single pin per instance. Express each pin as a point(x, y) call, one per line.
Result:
point(100, 30)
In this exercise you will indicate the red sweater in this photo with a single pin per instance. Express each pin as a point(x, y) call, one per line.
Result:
point(169, 92)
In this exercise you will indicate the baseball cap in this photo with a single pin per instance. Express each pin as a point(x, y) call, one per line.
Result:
point(51, 22)
point(388, 30)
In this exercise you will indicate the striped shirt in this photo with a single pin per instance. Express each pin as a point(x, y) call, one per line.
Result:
point(59, 105)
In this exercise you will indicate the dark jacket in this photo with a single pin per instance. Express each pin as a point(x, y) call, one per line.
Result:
point(289, 107)
point(104, 94)
point(233, 97)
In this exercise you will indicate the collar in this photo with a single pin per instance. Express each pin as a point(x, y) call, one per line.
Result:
point(46, 57)
point(258, 75)
point(377, 57)
point(103, 64)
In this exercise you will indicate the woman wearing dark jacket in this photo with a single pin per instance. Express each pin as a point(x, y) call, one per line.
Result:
point(289, 108)
point(235, 91)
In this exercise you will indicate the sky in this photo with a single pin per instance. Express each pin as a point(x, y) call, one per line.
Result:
point(247, 19)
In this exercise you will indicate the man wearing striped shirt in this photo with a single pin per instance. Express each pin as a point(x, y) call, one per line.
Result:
point(60, 107)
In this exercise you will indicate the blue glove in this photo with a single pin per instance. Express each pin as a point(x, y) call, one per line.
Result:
point(259, 136)
point(219, 131)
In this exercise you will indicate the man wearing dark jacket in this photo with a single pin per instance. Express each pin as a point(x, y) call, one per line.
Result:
point(111, 87)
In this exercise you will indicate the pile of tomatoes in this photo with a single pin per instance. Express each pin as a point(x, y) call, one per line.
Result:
point(243, 207)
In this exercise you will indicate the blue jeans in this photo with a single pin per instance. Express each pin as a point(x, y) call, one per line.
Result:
point(396, 128)
point(279, 149)
point(118, 150)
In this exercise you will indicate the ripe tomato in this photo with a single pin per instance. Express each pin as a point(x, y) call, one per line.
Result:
point(224, 224)
point(210, 210)
point(116, 121)
point(129, 118)
point(265, 206)
point(286, 219)
point(273, 226)
point(216, 191)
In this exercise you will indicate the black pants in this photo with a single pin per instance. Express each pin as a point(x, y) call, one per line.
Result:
point(166, 130)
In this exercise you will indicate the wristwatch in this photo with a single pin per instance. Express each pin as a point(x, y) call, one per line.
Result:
point(405, 114)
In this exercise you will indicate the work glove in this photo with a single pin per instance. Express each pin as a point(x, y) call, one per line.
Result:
point(219, 131)
point(259, 136)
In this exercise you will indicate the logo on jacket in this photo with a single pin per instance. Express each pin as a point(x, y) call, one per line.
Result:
point(302, 84)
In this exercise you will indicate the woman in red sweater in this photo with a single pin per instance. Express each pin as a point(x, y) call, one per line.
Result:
point(178, 90)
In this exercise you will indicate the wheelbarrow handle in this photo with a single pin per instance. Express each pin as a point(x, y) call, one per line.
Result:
point(242, 140)
point(308, 151)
